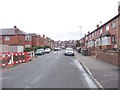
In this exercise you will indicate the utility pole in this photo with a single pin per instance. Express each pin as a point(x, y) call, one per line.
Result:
point(80, 32)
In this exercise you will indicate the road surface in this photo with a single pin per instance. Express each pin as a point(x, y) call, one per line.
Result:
point(52, 70)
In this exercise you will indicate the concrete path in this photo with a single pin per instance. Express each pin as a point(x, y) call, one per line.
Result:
point(106, 74)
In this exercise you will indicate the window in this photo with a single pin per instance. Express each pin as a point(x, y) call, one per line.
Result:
point(107, 27)
point(92, 34)
point(101, 31)
point(113, 38)
point(27, 46)
point(7, 38)
point(97, 32)
point(25, 38)
point(97, 42)
point(113, 24)
point(91, 43)
point(28, 38)
point(86, 38)
point(106, 41)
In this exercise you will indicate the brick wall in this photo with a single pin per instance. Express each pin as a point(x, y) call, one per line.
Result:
point(110, 57)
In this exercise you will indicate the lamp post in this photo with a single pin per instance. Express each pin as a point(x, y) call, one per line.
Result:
point(80, 31)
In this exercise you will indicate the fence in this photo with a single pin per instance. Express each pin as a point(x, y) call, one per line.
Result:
point(9, 59)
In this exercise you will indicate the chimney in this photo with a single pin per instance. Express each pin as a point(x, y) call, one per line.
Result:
point(97, 25)
point(88, 32)
point(43, 36)
point(39, 35)
point(118, 7)
point(15, 26)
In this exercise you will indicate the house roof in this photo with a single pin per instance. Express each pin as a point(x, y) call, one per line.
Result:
point(105, 24)
point(11, 31)
point(32, 34)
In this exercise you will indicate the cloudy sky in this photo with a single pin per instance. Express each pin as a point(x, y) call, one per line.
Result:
point(57, 19)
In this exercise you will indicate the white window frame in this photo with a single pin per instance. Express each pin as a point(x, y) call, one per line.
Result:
point(97, 42)
point(107, 28)
point(106, 40)
point(28, 38)
point(101, 31)
point(7, 38)
point(86, 38)
point(114, 24)
point(92, 34)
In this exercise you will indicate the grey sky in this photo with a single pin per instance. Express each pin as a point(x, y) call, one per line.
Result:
point(58, 19)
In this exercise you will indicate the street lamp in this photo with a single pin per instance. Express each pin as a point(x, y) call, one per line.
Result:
point(80, 31)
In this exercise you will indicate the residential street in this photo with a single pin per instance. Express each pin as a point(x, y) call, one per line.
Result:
point(52, 70)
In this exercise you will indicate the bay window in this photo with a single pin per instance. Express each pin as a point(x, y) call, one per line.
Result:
point(106, 40)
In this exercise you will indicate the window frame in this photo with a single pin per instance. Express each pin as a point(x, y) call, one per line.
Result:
point(6, 38)
point(107, 27)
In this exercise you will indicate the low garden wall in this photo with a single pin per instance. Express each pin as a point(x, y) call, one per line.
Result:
point(108, 56)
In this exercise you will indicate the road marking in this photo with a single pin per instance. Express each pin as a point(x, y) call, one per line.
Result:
point(54, 52)
point(89, 81)
point(57, 57)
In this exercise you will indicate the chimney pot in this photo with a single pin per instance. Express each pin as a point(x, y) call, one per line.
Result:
point(15, 26)
point(88, 32)
point(97, 25)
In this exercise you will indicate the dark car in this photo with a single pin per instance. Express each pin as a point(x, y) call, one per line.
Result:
point(40, 52)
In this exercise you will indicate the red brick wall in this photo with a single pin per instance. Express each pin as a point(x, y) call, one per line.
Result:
point(35, 41)
point(41, 41)
point(110, 57)
point(15, 40)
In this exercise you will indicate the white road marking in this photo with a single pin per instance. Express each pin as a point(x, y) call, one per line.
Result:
point(54, 52)
point(57, 57)
point(91, 84)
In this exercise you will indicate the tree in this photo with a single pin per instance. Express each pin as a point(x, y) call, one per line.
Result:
point(78, 43)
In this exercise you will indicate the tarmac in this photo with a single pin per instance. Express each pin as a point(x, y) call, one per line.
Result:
point(104, 74)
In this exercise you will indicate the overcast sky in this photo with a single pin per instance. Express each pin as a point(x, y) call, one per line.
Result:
point(57, 19)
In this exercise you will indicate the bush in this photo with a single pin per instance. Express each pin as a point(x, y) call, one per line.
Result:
point(28, 49)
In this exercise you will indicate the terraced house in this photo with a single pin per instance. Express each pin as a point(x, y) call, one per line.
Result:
point(105, 37)
point(15, 36)
point(104, 41)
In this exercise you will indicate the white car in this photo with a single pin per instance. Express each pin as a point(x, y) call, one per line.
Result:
point(69, 52)
point(39, 52)
point(47, 50)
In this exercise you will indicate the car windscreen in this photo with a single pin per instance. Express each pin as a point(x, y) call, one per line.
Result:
point(69, 49)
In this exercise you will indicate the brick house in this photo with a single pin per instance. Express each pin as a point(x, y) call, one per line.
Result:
point(35, 39)
point(38, 40)
point(14, 36)
point(104, 41)
point(105, 36)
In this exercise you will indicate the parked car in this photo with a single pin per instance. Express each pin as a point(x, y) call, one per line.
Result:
point(40, 52)
point(79, 50)
point(47, 50)
point(56, 49)
point(69, 52)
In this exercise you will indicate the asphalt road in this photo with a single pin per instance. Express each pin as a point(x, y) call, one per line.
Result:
point(52, 70)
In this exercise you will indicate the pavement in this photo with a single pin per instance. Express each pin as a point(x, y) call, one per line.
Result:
point(104, 74)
